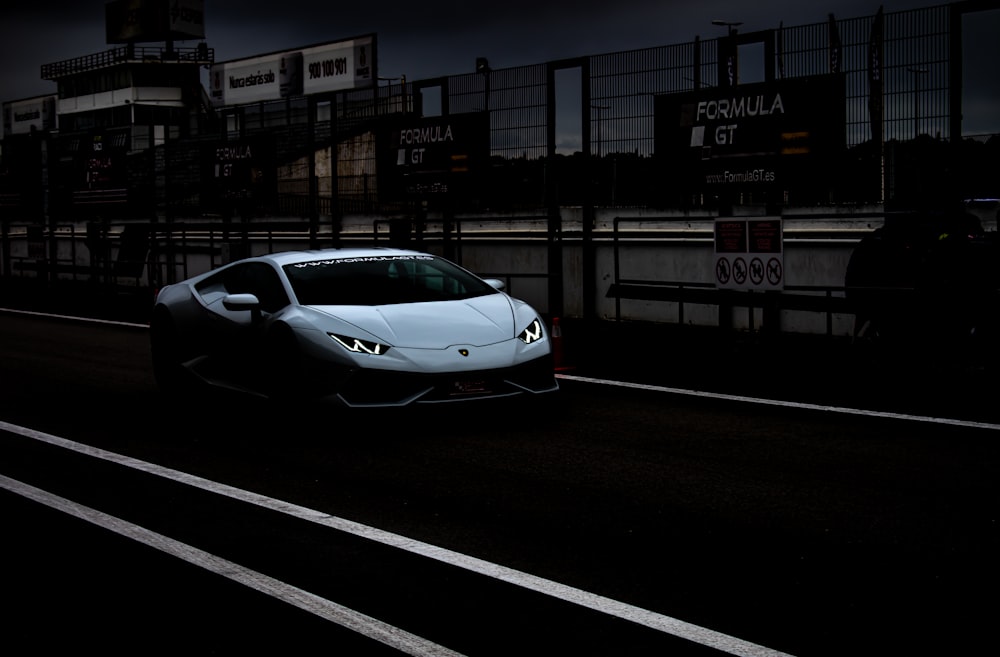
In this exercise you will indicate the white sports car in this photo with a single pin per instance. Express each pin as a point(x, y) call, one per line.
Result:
point(362, 327)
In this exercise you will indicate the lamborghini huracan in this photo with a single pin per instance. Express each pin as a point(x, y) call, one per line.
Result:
point(360, 327)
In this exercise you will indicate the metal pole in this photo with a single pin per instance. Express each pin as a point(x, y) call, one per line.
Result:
point(916, 98)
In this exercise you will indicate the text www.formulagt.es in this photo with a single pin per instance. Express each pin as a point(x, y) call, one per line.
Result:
point(745, 176)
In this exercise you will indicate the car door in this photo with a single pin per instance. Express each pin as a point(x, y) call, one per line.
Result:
point(237, 331)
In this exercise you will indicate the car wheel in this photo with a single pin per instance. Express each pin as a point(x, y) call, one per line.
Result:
point(282, 365)
point(166, 354)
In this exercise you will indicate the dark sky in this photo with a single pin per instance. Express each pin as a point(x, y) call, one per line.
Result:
point(418, 39)
point(422, 39)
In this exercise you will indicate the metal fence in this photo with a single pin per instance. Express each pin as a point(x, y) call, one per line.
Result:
point(325, 148)
point(613, 164)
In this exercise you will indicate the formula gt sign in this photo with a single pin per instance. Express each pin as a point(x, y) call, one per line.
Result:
point(434, 156)
point(100, 159)
point(770, 134)
point(239, 174)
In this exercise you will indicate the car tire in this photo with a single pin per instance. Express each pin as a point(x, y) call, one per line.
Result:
point(282, 369)
point(167, 355)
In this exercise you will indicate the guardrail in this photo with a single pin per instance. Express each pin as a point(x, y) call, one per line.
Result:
point(818, 299)
point(139, 255)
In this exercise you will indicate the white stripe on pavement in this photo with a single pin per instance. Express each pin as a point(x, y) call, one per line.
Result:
point(326, 609)
point(75, 318)
point(785, 404)
point(717, 640)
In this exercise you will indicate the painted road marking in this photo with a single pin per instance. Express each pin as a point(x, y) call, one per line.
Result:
point(717, 640)
point(326, 609)
point(674, 391)
point(75, 318)
point(786, 404)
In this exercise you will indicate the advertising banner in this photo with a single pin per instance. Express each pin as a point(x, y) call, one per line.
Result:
point(135, 21)
point(754, 136)
point(20, 117)
point(240, 174)
point(423, 157)
point(102, 169)
point(317, 69)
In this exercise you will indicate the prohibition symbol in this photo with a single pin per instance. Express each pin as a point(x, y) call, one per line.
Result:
point(748, 253)
point(756, 271)
point(722, 270)
point(773, 271)
point(740, 271)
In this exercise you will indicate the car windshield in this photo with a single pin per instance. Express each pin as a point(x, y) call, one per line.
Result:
point(380, 280)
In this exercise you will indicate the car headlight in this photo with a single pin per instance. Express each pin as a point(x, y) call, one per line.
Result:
point(533, 332)
point(358, 346)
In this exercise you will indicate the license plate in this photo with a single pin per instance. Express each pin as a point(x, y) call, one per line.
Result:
point(470, 387)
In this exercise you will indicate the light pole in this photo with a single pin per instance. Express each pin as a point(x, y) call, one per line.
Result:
point(729, 69)
point(402, 91)
point(728, 77)
point(730, 25)
point(483, 68)
point(917, 72)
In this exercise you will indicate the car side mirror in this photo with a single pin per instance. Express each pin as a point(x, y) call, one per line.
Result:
point(241, 302)
point(238, 302)
point(496, 283)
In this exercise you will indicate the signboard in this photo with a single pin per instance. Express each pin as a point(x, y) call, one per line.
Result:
point(750, 137)
point(135, 21)
point(433, 156)
point(240, 174)
point(317, 69)
point(749, 254)
point(102, 171)
point(21, 117)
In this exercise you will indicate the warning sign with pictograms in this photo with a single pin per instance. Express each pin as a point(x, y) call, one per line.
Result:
point(749, 253)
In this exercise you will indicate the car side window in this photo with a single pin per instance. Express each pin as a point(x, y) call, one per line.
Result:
point(259, 279)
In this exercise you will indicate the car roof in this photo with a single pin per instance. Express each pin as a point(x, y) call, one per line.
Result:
point(292, 257)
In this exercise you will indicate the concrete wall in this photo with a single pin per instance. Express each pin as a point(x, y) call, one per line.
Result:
point(651, 247)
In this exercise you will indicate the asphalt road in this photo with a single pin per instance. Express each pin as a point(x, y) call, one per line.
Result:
point(674, 516)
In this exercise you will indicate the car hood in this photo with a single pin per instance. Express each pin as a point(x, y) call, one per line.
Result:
point(434, 325)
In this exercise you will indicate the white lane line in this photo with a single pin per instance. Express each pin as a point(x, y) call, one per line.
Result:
point(75, 318)
point(326, 609)
point(673, 391)
point(717, 640)
point(785, 404)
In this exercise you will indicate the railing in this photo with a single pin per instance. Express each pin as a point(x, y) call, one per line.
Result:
point(201, 54)
point(828, 300)
point(120, 256)
point(112, 258)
